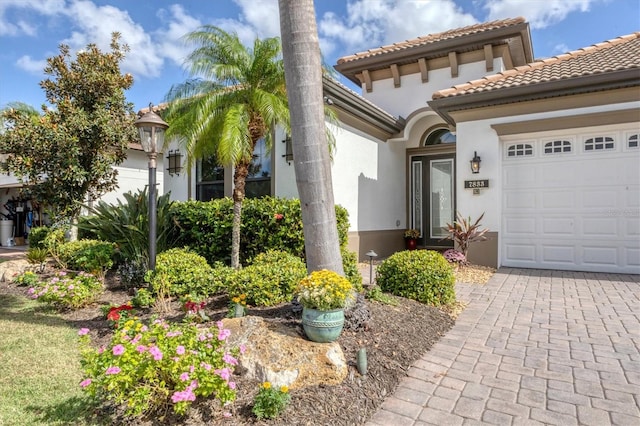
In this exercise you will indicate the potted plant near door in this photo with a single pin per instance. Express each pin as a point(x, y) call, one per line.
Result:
point(411, 238)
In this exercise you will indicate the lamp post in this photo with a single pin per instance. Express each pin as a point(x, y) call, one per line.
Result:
point(151, 128)
point(371, 254)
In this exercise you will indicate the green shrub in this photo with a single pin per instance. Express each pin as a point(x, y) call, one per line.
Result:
point(37, 236)
point(271, 278)
point(91, 256)
point(27, 278)
point(180, 272)
point(142, 298)
point(421, 275)
point(268, 223)
point(146, 368)
point(350, 267)
point(127, 225)
point(68, 291)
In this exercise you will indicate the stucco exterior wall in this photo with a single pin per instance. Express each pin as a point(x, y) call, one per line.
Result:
point(413, 94)
point(133, 175)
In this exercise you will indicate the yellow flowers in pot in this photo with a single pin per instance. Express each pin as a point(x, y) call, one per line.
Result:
point(325, 290)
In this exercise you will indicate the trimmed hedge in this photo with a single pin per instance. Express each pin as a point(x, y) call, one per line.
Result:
point(422, 275)
point(180, 272)
point(268, 223)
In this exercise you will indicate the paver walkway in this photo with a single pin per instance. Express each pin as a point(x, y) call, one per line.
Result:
point(532, 347)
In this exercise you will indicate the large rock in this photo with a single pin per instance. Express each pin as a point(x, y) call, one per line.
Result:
point(12, 268)
point(276, 353)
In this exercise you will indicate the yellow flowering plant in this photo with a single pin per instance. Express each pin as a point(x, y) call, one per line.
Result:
point(270, 402)
point(325, 290)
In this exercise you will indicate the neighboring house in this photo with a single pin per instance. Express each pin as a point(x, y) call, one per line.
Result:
point(559, 177)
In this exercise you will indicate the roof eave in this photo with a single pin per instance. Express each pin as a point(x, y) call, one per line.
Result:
point(578, 85)
point(355, 105)
point(440, 48)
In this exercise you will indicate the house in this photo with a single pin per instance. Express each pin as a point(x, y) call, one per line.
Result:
point(555, 144)
point(556, 139)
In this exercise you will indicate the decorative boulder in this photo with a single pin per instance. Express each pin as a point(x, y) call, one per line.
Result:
point(279, 354)
point(12, 268)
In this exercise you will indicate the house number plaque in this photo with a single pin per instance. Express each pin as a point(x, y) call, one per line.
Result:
point(484, 183)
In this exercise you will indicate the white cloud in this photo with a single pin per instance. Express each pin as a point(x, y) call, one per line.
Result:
point(560, 48)
point(96, 24)
point(539, 14)
point(178, 23)
point(15, 27)
point(262, 15)
point(32, 66)
point(371, 23)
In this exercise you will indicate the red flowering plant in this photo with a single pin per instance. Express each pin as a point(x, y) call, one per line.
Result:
point(116, 314)
point(195, 308)
point(278, 216)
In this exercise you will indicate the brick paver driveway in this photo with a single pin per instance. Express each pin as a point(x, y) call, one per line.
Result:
point(532, 347)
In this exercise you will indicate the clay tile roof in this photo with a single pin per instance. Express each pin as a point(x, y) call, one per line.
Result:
point(433, 38)
point(622, 53)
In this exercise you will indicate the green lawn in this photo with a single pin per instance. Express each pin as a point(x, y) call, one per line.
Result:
point(39, 367)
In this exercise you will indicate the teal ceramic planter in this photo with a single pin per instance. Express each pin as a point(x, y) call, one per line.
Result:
point(322, 326)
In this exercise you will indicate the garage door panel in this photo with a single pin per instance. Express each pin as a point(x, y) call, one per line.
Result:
point(557, 226)
point(558, 253)
point(519, 201)
point(558, 200)
point(521, 253)
point(601, 227)
point(600, 256)
point(633, 257)
point(521, 226)
point(599, 198)
point(579, 211)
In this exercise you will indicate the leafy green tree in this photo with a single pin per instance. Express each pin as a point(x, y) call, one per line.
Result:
point(303, 70)
point(235, 98)
point(66, 155)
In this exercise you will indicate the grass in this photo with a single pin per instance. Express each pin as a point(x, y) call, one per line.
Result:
point(40, 367)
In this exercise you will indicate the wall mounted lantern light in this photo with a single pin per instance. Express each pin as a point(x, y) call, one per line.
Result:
point(475, 163)
point(151, 128)
point(288, 151)
point(174, 165)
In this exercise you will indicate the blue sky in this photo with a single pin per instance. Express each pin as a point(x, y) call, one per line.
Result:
point(31, 31)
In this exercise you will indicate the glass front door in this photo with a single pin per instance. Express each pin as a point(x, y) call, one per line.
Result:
point(433, 197)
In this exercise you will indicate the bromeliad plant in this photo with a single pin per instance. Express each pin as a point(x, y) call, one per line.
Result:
point(148, 367)
point(464, 231)
point(325, 290)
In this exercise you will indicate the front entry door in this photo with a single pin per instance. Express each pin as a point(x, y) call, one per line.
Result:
point(433, 197)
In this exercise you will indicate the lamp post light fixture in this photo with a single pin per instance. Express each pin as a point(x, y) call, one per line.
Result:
point(151, 128)
point(371, 254)
point(475, 163)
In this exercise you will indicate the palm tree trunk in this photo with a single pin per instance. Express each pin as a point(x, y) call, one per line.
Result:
point(303, 75)
point(239, 179)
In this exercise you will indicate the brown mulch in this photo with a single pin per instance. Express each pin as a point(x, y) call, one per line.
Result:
point(396, 337)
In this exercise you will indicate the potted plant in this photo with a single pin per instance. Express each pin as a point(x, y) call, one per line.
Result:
point(324, 294)
point(411, 238)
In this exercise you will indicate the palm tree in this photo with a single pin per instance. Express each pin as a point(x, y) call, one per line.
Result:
point(303, 71)
point(235, 98)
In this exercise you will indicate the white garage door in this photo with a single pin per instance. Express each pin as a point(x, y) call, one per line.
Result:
point(572, 203)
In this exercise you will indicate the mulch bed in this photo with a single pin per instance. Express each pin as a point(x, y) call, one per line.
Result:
point(396, 336)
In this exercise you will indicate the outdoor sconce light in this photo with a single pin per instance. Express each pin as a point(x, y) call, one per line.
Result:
point(151, 128)
point(175, 162)
point(371, 254)
point(288, 155)
point(475, 163)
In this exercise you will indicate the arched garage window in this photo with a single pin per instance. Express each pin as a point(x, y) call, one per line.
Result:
point(557, 147)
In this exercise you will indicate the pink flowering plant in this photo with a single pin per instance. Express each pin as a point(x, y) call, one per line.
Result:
point(68, 290)
point(149, 367)
point(456, 257)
